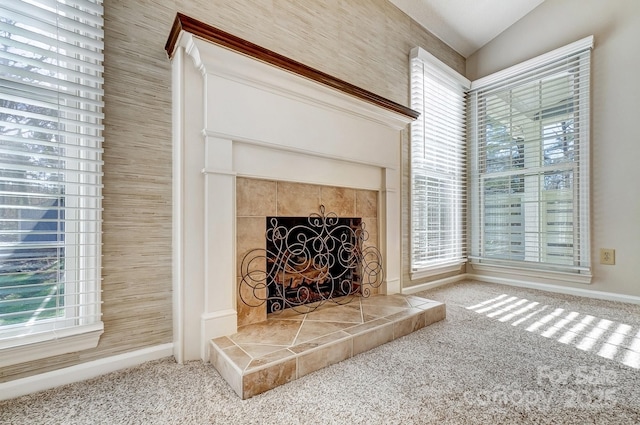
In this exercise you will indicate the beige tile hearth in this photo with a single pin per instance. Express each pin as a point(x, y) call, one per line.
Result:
point(287, 346)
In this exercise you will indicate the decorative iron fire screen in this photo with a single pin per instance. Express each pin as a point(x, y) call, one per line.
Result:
point(309, 261)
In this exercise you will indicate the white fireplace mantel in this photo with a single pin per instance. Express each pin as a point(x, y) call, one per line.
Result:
point(235, 115)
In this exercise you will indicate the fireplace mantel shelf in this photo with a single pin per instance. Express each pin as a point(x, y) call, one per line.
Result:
point(214, 35)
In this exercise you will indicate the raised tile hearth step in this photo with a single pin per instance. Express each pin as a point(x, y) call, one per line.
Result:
point(288, 346)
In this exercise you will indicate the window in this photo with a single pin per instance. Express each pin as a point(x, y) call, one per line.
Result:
point(529, 147)
point(438, 166)
point(50, 176)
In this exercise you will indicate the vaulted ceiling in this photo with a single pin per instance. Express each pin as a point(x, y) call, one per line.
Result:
point(466, 25)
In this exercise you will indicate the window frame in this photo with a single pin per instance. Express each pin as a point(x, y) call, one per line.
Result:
point(580, 272)
point(448, 258)
point(81, 326)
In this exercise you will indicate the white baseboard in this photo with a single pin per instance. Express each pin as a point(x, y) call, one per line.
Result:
point(567, 290)
point(560, 289)
point(434, 284)
point(81, 372)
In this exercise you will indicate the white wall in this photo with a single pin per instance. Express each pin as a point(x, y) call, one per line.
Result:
point(615, 114)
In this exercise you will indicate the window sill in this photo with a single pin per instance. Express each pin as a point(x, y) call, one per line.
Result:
point(49, 344)
point(436, 270)
point(553, 276)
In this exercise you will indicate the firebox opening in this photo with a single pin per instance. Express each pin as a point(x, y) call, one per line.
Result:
point(312, 259)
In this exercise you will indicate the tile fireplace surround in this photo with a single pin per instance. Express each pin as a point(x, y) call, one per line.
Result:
point(258, 199)
point(244, 116)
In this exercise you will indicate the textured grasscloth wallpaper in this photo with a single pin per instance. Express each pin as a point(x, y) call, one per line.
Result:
point(364, 42)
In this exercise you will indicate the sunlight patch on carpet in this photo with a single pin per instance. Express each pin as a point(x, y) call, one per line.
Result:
point(603, 337)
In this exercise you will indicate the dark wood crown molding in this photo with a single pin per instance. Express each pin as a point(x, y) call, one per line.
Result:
point(217, 36)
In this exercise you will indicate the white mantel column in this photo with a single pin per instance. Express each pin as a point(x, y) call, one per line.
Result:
point(390, 229)
point(220, 316)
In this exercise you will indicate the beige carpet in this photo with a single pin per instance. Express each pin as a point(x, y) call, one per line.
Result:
point(503, 355)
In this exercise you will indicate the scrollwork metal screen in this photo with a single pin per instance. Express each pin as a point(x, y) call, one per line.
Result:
point(309, 261)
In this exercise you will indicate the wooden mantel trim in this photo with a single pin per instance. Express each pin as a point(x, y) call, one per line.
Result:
point(217, 36)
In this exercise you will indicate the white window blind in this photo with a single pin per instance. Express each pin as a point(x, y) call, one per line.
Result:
point(438, 165)
point(529, 128)
point(50, 168)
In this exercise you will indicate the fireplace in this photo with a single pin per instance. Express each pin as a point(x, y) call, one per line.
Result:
point(245, 117)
